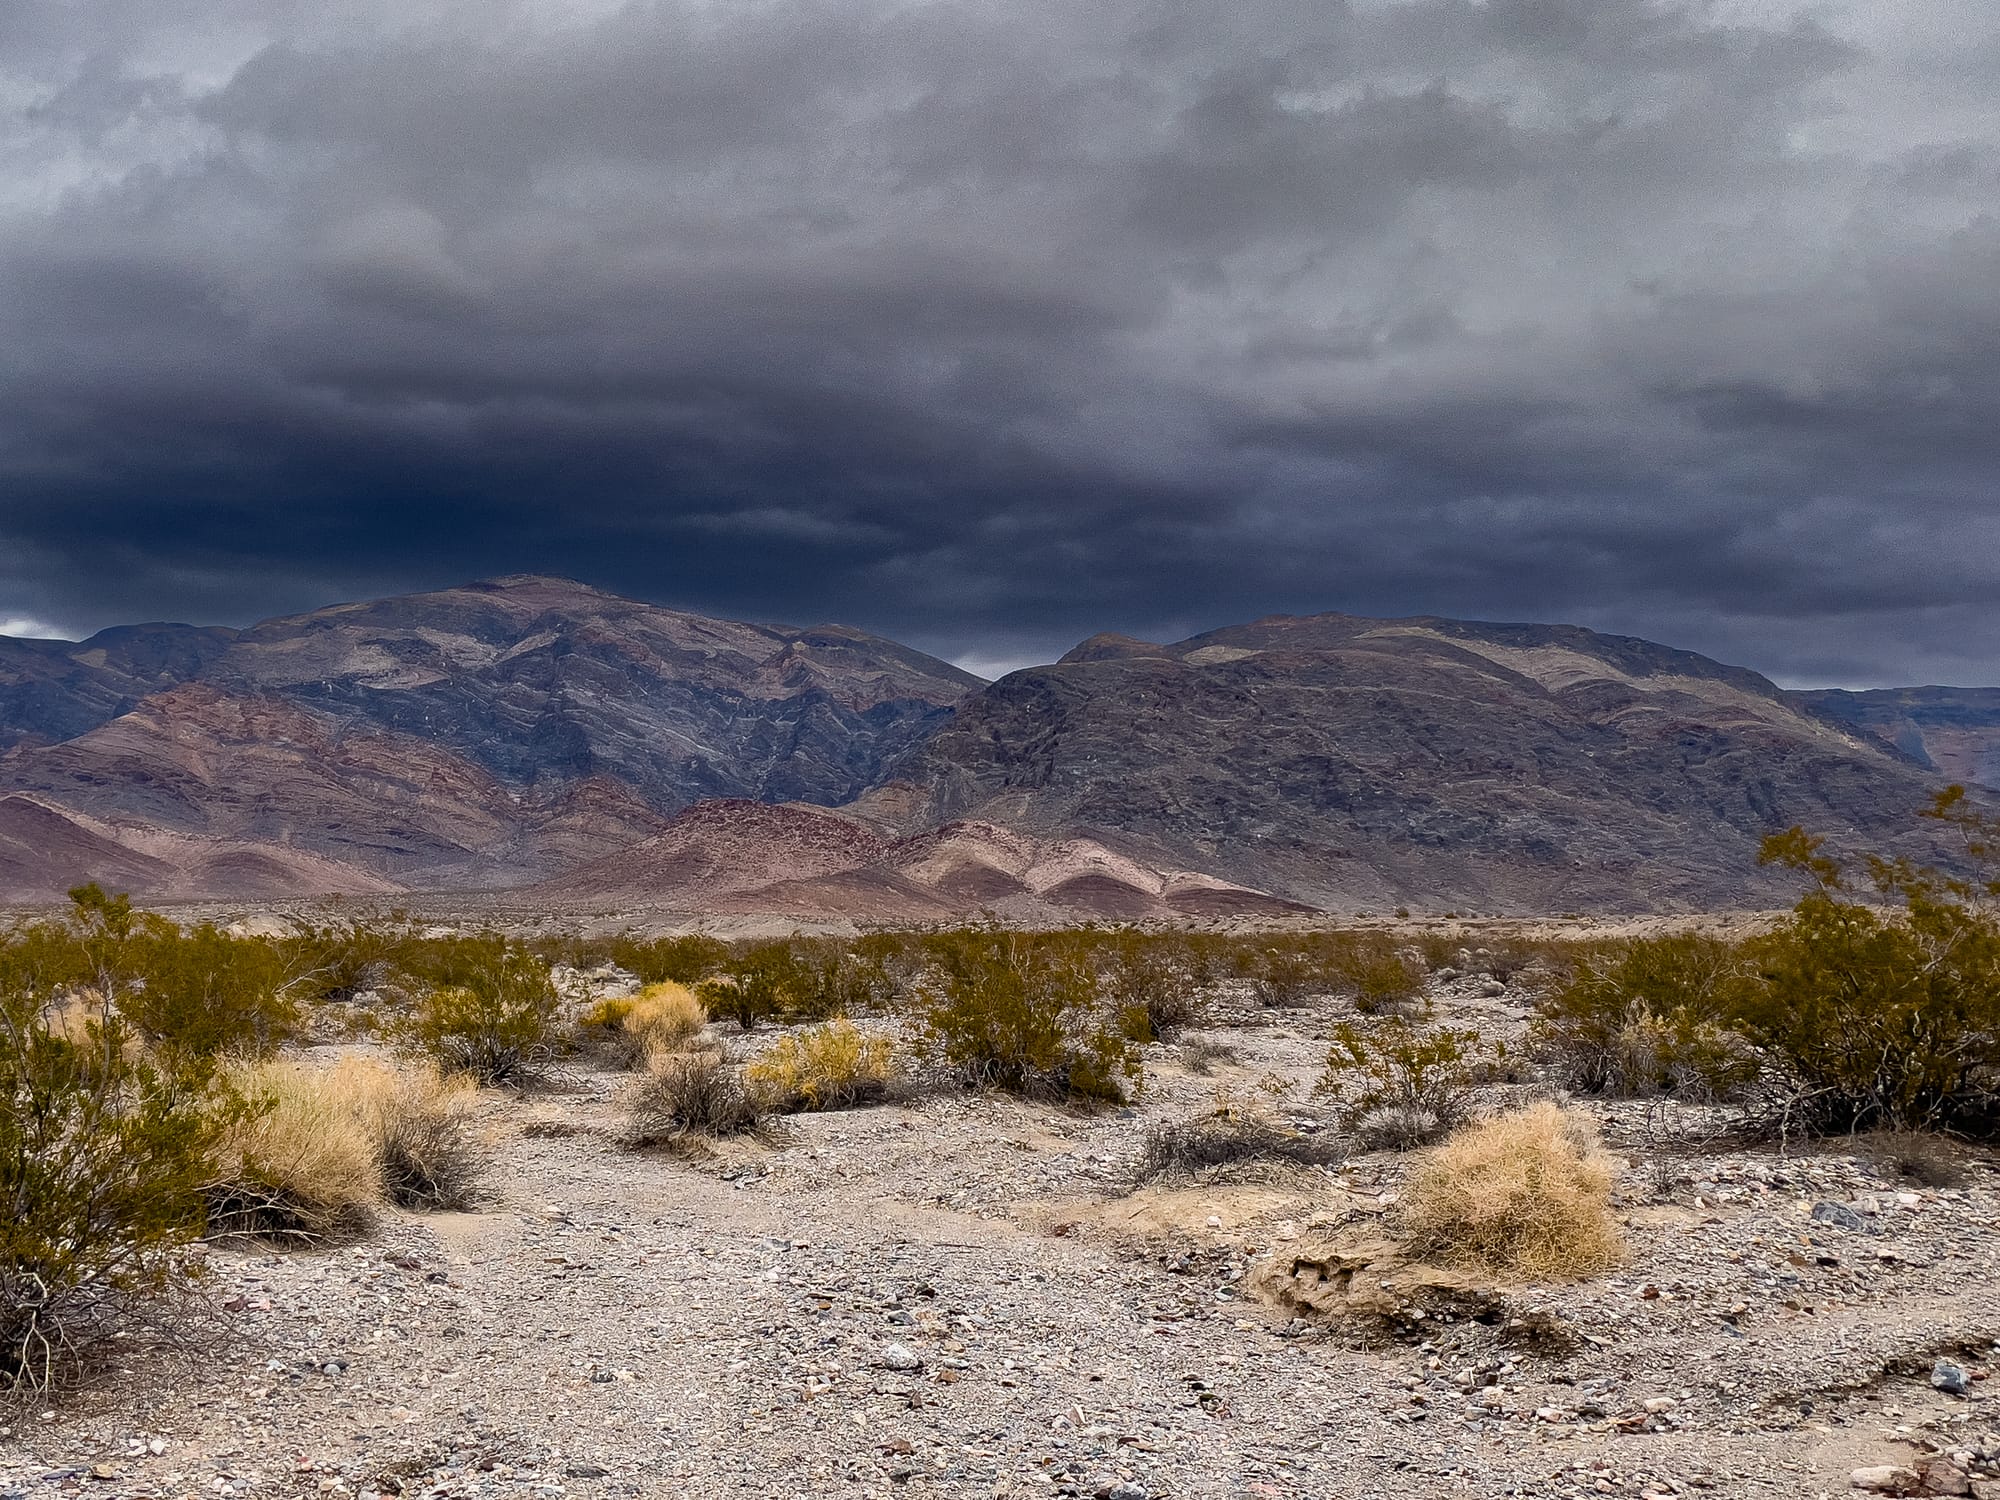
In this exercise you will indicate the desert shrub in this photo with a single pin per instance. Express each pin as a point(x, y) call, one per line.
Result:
point(1153, 987)
point(1508, 959)
point(1380, 977)
point(1011, 1011)
point(680, 960)
point(1525, 1194)
point(1395, 1127)
point(196, 993)
point(1399, 1084)
point(761, 982)
point(1284, 978)
point(489, 1009)
point(663, 1017)
point(1649, 1016)
point(103, 1153)
point(207, 992)
point(335, 962)
point(683, 1096)
point(299, 1166)
point(1440, 950)
point(830, 978)
point(831, 1066)
point(1228, 1135)
point(1870, 1017)
point(421, 1124)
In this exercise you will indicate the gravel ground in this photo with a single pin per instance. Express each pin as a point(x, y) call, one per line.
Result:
point(962, 1297)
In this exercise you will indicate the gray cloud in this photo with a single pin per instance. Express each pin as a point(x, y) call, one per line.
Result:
point(991, 326)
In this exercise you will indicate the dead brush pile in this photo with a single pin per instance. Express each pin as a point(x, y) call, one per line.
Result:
point(1524, 1195)
point(421, 1122)
point(1914, 1155)
point(1229, 1135)
point(684, 1097)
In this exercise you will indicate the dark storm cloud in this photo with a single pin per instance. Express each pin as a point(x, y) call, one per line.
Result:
point(990, 326)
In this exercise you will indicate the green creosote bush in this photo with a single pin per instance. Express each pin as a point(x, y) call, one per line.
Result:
point(1284, 978)
point(1380, 977)
point(1151, 982)
point(1022, 1012)
point(1856, 1012)
point(1400, 1085)
point(1869, 1016)
point(335, 962)
point(103, 1153)
point(1441, 950)
point(487, 1009)
point(200, 992)
point(761, 982)
point(683, 960)
point(1649, 1016)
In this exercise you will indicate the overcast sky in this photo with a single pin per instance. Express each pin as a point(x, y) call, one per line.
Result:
point(991, 325)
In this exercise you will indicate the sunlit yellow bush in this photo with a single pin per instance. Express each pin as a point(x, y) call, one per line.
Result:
point(832, 1066)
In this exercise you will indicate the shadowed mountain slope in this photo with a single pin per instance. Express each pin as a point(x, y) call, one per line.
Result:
point(535, 732)
point(56, 690)
point(1350, 762)
point(1953, 731)
point(478, 736)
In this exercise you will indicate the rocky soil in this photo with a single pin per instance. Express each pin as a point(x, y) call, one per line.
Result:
point(962, 1295)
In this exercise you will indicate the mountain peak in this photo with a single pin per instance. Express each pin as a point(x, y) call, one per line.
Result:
point(1109, 645)
point(548, 583)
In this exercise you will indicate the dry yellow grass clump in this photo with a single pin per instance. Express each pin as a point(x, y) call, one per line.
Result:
point(662, 1017)
point(832, 1066)
point(300, 1164)
point(1525, 1194)
point(421, 1122)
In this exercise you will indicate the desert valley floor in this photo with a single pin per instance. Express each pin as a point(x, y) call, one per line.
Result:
point(963, 1295)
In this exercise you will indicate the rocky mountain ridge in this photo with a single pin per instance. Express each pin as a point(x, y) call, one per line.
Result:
point(482, 736)
point(1347, 762)
point(530, 732)
point(1953, 731)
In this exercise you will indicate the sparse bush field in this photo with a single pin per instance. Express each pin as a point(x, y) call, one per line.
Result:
point(164, 1049)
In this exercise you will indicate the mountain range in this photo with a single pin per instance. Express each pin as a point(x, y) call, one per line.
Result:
point(534, 734)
